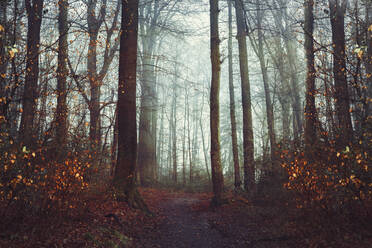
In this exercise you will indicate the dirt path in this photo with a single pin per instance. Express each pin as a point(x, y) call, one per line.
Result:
point(185, 227)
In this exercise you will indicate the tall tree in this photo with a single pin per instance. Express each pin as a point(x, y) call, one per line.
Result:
point(174, 126)
point(248, 145)
point(234, 139)
point(94, 75)
point(3, 58)
point(310, 110)
point(369, 55)
point(344, 126)
point(34, 10)
point(217, 176)
point(258, 47)
point(146, 143)
point(124, 177)
point(61, 112)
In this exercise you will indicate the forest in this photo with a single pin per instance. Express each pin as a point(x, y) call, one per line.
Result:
point(185, 123)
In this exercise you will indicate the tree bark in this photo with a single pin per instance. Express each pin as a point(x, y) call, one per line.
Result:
point(29, 100)
point(3, 59)
point(217, 176)
point(259, 49)
point(248, 145)
point(310, 110)
point(61, 112)
point(174, 131)
point(124, 178)
point(344, 126)
point(114, 146)
point(234, 139)
point(148, 114)
point(184, 142)
point(369, 58)
point(96, 77)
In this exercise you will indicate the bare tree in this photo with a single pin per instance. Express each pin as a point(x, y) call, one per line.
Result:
point(344, 126)
point(234, 139)
point(310, 110)
point(124, 178)
point(217, 176)
point(34, 10)
point(248, 144)
point(61, 112)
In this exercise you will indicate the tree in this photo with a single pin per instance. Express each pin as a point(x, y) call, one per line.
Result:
point(94, 75)
point(258, 47)
point(248, 145)
point(234, 139)
point(124, 177)
point(310, 110)
point(217, 176)
point(369, 55)
point(3, 58)
point(174, 124)
point(147, 137)
point(344, 126)
point(34, 10)
point(61, 112)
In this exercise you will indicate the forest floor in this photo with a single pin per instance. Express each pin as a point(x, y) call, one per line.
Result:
point(188, 221)
point(178, 219)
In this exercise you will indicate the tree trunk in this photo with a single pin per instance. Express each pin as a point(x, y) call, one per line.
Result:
point(95, 85)
point(145, 143)
point(205, 152)
point(114, 146)
point(310, 110)
point(369, 58)
point(344, 126)
point(61, 112)
point(96, 77)
point(147, 134)
point(29, 100)
point(124, 178)
point(217, 176)
point(184, 142)
point(3, 59)
point(174, 132)
point(265, 78)
point(189, 142)
point(234, 140)
point(160, 143)
point(248, 145)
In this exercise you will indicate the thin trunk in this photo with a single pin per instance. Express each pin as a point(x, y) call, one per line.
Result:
point(3, 59)
point(217, 176)
point(174, 132)
point(61, 112)
point(205, 152)
point(169, 161)
point(184, 144)
point(248, 145)
point(237, 181)
point(369, 58)
point(41, 123)
point(189, 140)
point(310, 110)
point(114, 146)
point(96, 77)
point(160, 144)
point(265, 78)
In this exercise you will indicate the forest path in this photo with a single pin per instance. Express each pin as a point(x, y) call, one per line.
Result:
point(185, 227)
point(187, 221)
